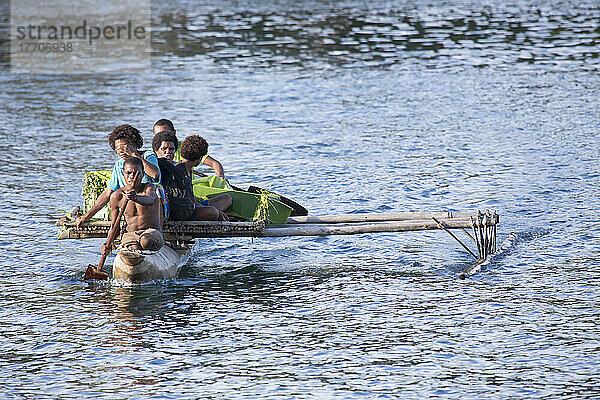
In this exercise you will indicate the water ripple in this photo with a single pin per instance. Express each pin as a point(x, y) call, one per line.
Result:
point(436, 35)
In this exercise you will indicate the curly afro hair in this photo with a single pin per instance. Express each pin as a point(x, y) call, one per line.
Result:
point(194, 148)
point(127, 133)
point(164, 136)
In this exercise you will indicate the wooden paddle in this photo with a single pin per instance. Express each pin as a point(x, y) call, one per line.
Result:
point(96, 273)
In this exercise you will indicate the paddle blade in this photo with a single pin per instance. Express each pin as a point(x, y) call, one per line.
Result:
point(93, 274)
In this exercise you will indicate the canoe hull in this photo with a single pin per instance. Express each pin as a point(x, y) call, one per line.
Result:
point(138, 267)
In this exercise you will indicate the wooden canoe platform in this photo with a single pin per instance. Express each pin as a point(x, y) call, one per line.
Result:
point(482, 225)
point(344, 224)
point(183, 233)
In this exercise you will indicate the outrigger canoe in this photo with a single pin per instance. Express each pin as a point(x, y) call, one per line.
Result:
point(137, 270)
point(134, 266)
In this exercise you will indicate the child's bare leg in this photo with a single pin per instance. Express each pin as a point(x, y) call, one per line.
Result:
point(206, 213)
point(221, 202)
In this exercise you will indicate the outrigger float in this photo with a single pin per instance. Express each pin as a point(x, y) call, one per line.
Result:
point(142, 266)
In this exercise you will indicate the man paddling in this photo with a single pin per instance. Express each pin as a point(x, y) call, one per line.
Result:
point(142, 210)
point(126, 141)
point(166, 125)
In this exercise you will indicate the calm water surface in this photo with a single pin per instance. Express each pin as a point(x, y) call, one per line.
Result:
point(345, 107)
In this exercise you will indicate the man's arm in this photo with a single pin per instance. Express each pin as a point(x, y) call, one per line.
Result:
point(146, 199)
point(100, 202)
point(149, 169)
point(216, 165)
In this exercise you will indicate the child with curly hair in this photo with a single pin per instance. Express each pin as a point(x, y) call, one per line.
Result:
point(126, 141)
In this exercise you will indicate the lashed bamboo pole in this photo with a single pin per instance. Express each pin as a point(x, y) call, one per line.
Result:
point(198, 229)
point(491, 233)
point(480, 221)
point(473, 225)
point(350, 229)
point(374, 217)
point(170, 224)
point(460, 220)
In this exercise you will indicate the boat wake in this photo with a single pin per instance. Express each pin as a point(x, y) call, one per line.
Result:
point(507, 246)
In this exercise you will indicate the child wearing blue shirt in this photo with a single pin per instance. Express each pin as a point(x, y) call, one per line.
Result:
point(126, 141)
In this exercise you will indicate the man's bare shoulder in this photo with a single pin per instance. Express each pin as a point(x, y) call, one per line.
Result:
point(117, 194)
point(115, 197)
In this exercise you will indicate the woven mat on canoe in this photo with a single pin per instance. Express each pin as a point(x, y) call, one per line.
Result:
point(173, 230)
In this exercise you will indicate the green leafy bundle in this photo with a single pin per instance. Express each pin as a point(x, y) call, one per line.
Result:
point(94, 184)
point(262, 209)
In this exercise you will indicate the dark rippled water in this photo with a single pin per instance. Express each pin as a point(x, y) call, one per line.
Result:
point(345, 107)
